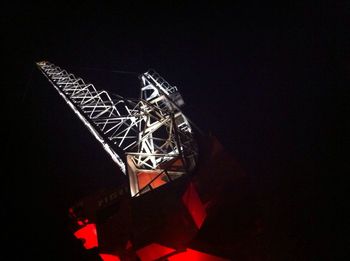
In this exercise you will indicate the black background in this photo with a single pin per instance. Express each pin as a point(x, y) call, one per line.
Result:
point(259, 78)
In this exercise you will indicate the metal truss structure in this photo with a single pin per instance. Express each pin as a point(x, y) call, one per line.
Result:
point(149, 138)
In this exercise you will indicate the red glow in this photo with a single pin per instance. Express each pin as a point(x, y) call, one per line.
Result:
point(128, 245)
point(146, 177)
point(194, 205)
point(194, 255)
point(108, 257)
point(153, 252)
point(89, 235)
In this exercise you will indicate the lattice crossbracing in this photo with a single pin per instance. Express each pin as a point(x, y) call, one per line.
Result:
point(150, 134)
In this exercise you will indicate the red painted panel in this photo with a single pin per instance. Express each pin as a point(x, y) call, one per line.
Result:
point(89, 235)
point(194, 205)
point(107, 257)
point(153, 252)
point(194, 255)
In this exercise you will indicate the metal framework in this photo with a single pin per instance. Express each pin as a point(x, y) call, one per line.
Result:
point(150, 134)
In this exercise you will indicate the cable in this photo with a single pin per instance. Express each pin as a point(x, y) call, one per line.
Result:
point(114, 71)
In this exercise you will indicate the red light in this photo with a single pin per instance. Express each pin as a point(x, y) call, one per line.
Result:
point(128, 245)
point(194, 255)
point(144, 178)
point(89, 235)
point(153, 252)
point(107, 257)
point(194, 205)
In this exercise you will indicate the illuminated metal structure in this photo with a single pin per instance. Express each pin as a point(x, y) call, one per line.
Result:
point(152, 142)
point(150, 134)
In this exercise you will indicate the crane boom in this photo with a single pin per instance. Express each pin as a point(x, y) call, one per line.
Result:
point(149, 138)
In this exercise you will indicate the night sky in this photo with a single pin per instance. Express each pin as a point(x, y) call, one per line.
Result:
point(256, 77)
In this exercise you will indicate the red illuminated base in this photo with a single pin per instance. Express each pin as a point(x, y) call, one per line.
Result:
point(154, 251)
point(175, 225)
point(174, 219)
point(160, 224)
